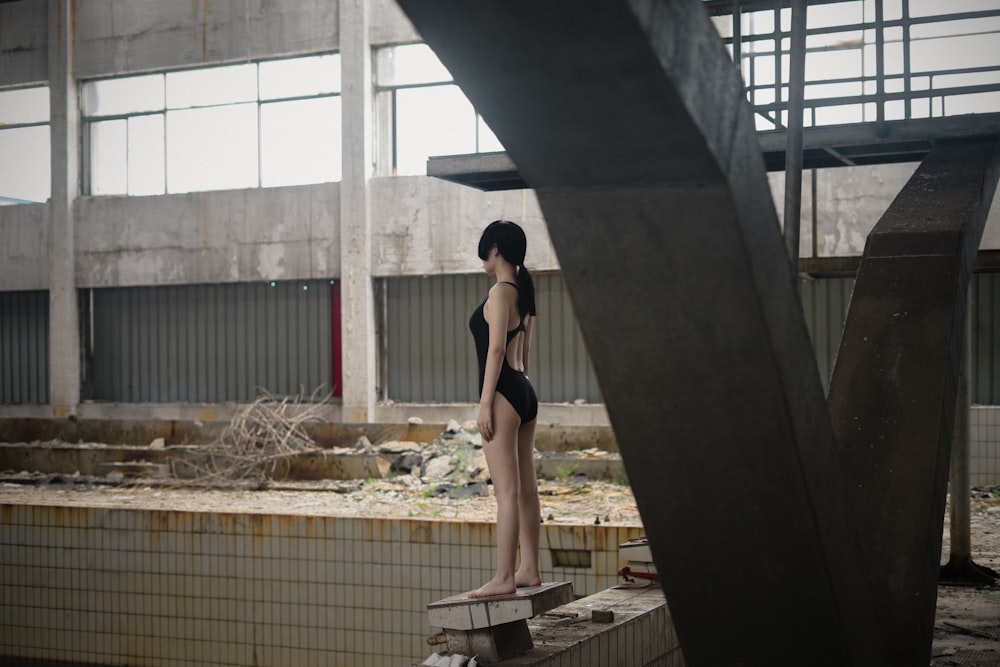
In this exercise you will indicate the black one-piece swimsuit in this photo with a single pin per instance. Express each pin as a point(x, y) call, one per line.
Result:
point(513, 385)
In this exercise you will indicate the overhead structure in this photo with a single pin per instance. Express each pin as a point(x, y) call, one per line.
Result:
point(860, 144)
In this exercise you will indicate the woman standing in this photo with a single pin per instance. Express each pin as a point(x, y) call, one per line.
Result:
point(501, 329)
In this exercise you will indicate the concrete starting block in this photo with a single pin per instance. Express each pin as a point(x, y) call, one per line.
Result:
point(495, 628)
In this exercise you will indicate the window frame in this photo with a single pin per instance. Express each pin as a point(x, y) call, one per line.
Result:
point(88, 120)
point(22, 125)
point(385, 109)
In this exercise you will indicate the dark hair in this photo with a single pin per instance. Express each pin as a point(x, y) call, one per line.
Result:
point(511, 243)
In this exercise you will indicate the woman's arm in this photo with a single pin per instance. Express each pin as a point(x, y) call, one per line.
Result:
point(498, 305)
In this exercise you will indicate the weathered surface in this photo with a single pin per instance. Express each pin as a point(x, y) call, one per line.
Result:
point(625, 118)
point(460, 612)
point(892, 395)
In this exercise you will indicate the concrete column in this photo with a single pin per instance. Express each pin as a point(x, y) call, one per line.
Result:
point(358, 309)
point(893, 391)
point(64, 337)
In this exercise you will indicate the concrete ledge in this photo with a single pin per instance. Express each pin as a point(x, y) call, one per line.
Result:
point(641, 634)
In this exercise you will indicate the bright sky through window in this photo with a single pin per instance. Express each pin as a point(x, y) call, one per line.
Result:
point(239, 126)
point(24, 146)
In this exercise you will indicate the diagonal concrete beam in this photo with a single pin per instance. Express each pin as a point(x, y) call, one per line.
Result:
point(628, 119)
point(892, 394)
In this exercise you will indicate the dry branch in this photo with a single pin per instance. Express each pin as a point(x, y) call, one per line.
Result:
point(260, 438)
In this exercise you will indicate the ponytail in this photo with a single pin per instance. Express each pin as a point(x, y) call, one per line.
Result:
point(525, 292)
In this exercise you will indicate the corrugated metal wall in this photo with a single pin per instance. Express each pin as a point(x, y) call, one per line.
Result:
point(208, 343)
point(824, 304)
point(826, 301)
point(984, 383)
point(430, 357)
point(24, 347)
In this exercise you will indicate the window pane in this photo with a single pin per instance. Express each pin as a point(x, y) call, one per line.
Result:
point(113, 97)
point(212, 149)
point(108, 151)
point(408, 65)
point(218, 85)
point(936, 7)
point(841, 13)
point(839, 115)
point(25, 171)
point(976, 103)
point(947, 53)
point(432, 121)
point(25, 105)
point(146, 162)
point(299, 77)
point(300, 142)
point(759, 23)
point(488, 142)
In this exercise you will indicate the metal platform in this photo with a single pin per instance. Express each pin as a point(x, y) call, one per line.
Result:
point(823, 147)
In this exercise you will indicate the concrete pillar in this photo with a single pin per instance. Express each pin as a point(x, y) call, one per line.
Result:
point(64, 337)
point(893, 391)
point(358, 309)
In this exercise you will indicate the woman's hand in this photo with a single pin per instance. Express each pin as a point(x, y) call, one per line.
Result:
point(485, 422)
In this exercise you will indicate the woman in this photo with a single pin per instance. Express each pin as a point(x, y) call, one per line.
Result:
point(501, 328)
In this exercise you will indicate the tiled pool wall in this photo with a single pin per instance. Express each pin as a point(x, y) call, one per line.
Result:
point(984, 445)
point(179, 588)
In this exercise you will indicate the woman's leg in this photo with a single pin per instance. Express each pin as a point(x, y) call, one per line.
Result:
point(530, 511)
point(501, 458)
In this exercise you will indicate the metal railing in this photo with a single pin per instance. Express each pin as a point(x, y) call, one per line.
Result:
point(867, 60)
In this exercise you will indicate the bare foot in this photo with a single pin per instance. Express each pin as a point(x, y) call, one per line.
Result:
point(527, 579)
point(493, 587)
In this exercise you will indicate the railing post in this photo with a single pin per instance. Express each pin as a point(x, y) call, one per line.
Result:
point(793, 151)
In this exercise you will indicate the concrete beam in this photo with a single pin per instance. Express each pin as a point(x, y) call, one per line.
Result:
point(117, 37)
point(627, 120)
point(892, 394)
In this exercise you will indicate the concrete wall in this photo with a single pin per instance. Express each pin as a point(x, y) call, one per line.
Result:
point(24, 252)
point(848, 203)
point(209, 237)
point(113, 37)
point(23, 43)
point(425, 226)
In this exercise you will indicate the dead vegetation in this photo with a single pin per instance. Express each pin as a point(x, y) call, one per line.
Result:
point(259, 442)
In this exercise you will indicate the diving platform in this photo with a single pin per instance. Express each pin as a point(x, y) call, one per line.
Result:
point(823, 147)
point(495, 628)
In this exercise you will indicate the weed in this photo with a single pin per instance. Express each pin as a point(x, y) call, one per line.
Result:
point(565, 471)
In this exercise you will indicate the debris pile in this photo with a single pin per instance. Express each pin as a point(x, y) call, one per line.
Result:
point(261, 437)
point(453, 463)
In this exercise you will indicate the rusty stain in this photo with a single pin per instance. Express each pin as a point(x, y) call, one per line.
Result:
point(601, 534)
point(420, 532)
point(311, 526)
